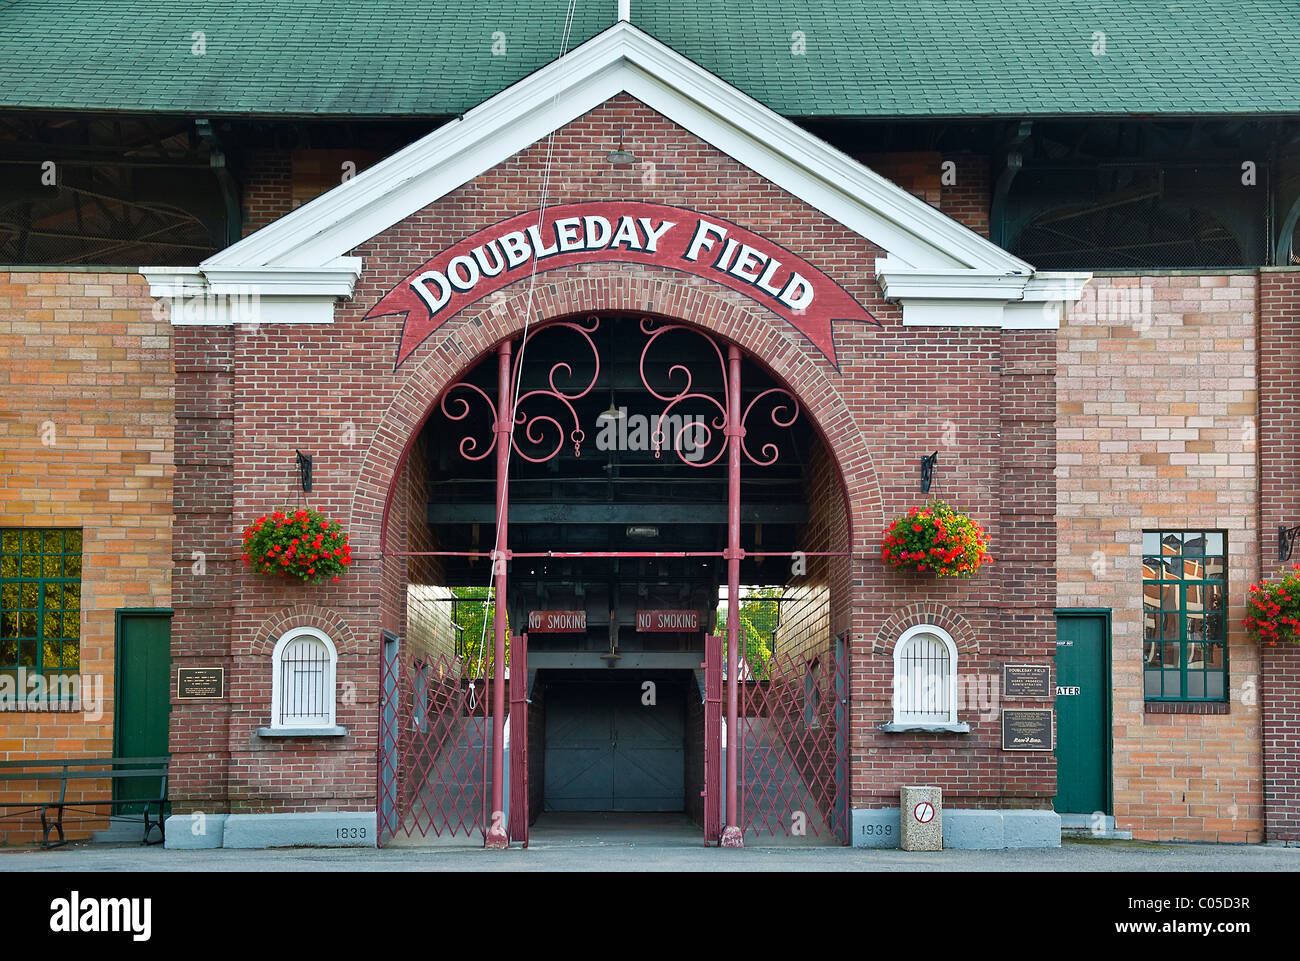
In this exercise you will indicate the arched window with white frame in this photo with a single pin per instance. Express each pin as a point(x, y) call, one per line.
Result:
point(925, 680)
point(304, 665)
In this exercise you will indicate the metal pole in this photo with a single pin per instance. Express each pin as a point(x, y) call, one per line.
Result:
point(732, 836)
point(496, 836)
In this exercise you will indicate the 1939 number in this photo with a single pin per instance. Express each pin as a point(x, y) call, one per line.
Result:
point(878, 829)
point(348, 833)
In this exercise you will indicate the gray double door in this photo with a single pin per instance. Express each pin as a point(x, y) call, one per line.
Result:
point(607, 750)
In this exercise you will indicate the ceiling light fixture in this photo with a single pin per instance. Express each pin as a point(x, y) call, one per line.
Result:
point(621, 157)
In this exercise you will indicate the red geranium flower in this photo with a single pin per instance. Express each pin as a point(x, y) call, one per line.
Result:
point(320, 549)
point(936, 539)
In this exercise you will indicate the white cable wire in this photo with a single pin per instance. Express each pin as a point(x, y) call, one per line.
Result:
point(508, 439)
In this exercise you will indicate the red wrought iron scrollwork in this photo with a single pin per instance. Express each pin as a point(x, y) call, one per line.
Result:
point(769, 450)
point(691, 436)
point(532, 426)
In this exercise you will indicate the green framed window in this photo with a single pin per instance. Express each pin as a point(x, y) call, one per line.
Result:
point(40, 599)
point(1184, 615)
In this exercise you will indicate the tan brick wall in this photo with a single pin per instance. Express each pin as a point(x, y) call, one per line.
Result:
point(816, 604)
point(86, 422)
point(1156, 398)
point(805, 629)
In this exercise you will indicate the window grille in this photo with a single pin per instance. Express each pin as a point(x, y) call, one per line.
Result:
point(925, 674)
point(304, 666)
point(1185, 615)
point(40, 599)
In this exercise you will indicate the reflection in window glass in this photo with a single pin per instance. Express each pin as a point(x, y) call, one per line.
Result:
point(40, 599)
point(1184, 625)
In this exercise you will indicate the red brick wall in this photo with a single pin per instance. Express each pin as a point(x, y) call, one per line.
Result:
point(276, 181)
point(926, 174)
point(981, 391)
point(86, 420)
point(899, 392)
point(266, 179)
point(967, 199)
point(202, 520)
point(1279, 505)
point(315, 171)
point(916, 171)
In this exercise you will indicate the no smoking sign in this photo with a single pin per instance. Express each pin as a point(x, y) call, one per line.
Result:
point(923, 812)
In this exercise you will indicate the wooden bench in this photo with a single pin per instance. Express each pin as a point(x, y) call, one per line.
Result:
point(110, 769)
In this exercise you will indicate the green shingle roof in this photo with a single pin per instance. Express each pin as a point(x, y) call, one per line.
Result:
point(863, 58)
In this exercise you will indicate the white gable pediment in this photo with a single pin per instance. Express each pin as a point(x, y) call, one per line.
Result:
point(939, 270)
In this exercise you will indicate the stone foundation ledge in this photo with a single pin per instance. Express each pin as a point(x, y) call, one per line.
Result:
point(316, 829)
point(964, 828)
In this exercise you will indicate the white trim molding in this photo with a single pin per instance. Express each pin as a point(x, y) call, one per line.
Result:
point(297, 267)
point(972, 298)
point(321, 721)
point(911, 688)
point(222, 296)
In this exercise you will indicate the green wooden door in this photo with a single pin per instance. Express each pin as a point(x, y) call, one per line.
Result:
point(1082, 699)
point(143, 702)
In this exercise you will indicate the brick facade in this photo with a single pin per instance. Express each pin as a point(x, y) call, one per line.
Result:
point(957, 184)
point(1156, 395)
point(86, 441)
point(966, 200)
point(1279, 506)
point(333, 390)
point(268, 187)
point(1064, 445)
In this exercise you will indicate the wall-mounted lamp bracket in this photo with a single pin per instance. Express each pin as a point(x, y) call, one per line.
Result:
point(304, 467)
point(927, 471)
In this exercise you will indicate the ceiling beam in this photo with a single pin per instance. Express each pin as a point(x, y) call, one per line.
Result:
point(653, 514)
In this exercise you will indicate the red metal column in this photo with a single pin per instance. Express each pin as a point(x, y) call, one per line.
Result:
point(732, 837)
point(496, 835)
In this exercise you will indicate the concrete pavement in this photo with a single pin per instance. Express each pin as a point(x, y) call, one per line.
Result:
point(596, 853)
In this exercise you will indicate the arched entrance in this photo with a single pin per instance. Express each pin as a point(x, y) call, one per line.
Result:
point(675, 520)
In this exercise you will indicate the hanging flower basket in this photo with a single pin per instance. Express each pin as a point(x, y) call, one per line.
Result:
point(1273, 609)
point(303, 544)
point(938, 539)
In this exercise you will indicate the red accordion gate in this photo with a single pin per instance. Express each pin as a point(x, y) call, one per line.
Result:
point(435, 743)
point(793, 750)
point(517, 827)
point(713, 739)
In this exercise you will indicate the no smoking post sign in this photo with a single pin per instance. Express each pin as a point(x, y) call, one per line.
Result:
point(923, 812)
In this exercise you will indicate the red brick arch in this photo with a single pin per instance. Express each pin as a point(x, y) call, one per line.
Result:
point(469, 337)
point(927, 612)
point(304, 615)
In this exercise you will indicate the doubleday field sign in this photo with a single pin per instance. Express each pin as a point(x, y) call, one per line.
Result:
point(640, 233)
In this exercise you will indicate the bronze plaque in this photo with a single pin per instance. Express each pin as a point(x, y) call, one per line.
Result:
point(1027, 729)
point(194, 683)
point(1026, 680)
